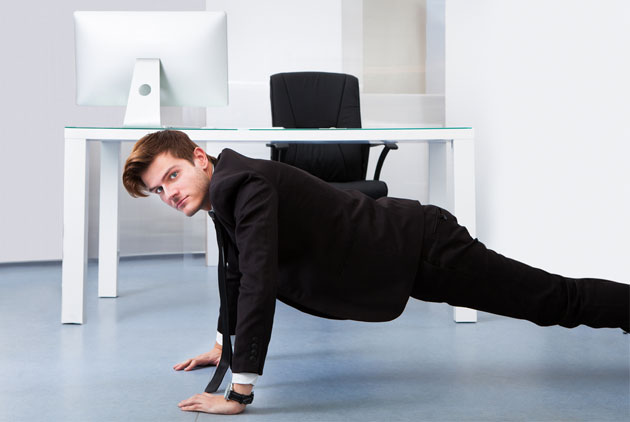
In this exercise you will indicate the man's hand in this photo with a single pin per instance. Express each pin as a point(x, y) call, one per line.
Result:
point(210, 403)
point(205, 359)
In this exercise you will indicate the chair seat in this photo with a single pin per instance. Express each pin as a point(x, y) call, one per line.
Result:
point(372, 188)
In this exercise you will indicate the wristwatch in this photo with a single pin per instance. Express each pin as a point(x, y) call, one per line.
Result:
point(230, 394)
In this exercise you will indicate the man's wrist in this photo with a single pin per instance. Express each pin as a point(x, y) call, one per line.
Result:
point(219, 339)
point(241, 394)
point(244, 378)
point(245, 389)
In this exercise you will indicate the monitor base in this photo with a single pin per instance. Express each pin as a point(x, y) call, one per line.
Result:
point(143, 105)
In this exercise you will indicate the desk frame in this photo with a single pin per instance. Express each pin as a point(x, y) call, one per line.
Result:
point(451, 186)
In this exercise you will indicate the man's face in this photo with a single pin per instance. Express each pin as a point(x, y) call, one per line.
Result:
point(179, 183)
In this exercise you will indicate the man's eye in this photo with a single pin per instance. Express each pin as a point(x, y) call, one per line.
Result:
point(158, 190)
point(173, 175)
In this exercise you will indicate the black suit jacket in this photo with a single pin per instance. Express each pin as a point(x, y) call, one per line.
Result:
point(331, 253)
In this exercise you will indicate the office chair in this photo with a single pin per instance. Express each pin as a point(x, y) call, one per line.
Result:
point(324, 100)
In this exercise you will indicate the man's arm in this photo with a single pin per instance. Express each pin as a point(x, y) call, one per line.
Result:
point(255, 215)
point(256, 235)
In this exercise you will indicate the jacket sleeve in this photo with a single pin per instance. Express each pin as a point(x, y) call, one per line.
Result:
point(256, 236)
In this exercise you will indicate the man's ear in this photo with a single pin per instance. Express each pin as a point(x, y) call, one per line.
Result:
point(200, 158)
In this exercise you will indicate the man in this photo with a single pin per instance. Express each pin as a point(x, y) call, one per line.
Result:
point(342, 255)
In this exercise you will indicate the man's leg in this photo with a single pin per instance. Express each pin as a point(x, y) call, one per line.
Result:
point(461, 271)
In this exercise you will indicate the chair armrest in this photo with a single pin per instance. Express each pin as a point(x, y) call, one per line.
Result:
point(278, 150)
point(387, 146)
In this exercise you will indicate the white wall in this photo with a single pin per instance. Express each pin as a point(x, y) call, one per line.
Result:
point(435, 48)
point(271, 37)
point(394, 53)
point(545, 85)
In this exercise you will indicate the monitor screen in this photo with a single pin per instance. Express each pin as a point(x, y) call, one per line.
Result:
point(191, 48)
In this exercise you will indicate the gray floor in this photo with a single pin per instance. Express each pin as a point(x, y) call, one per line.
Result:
point(420, 367)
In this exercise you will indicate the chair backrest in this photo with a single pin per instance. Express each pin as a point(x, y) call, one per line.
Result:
point(320, 100)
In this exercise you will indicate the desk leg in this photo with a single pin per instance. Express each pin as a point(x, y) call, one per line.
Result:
point(452, 186)
point(441, 174)
point(108, 220)
point(464, 202)
point(74, 255)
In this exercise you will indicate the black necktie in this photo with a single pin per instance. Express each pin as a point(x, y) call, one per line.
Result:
point(226, 355)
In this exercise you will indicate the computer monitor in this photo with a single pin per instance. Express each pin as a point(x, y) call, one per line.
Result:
point(147, 59)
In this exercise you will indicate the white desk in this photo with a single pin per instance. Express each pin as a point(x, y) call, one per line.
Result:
point(451, 186)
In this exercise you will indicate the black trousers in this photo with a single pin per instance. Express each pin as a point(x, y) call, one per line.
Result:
point(461, 271)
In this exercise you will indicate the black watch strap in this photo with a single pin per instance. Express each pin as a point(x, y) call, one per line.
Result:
point(230, 394)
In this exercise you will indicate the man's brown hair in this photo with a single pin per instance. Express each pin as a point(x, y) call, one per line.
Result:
point(177, 143)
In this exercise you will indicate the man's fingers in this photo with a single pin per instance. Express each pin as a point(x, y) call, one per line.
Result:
point(193, 403)
point(181, 365)
point(191, 365)
point(190, 407)
point(188, 401)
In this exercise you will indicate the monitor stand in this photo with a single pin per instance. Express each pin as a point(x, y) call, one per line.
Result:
point(143, 105)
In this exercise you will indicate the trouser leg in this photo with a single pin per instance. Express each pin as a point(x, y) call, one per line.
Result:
point(461, 271)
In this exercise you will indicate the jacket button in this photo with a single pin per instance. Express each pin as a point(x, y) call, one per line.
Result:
point(252, 358)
